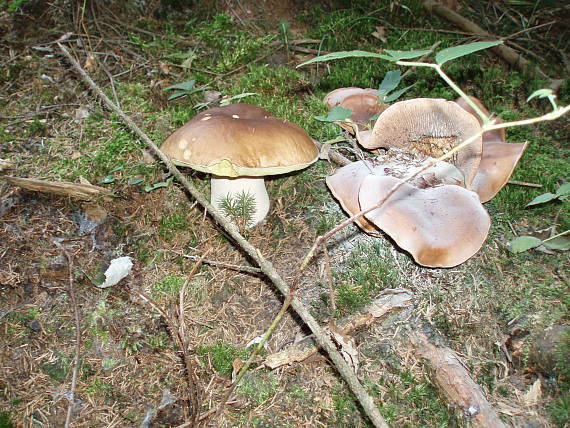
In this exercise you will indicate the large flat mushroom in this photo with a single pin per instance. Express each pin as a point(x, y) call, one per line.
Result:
point(239, 144)
point(429, 127)
point(439, 226)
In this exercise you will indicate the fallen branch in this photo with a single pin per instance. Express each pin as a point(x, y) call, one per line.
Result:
point(506, 53)
point(85, 192)
point(390, 301)
point(322, 338)
point(453, 379)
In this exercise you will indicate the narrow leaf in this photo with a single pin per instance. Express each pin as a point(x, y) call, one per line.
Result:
point(397, 94)
point(399, 55)
point(562, 243)
point(184, 86)
point(227, 101)
point(458, 51)
point(135, 180)
point(524, 243)
point(563, 190)
point(389, 83)
point(540, 93)
point(344, 54)
point(176, 95)
point(336, 114)
point(541, 199)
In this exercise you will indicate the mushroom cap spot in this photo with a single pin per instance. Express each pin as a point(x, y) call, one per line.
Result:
point(440, 226)
point(334, 98)
point(182, 144)
point(495, 134)
point(345, 184)
point(186, 154)
point(497, 165)
point(252, 144)
point(430, 127)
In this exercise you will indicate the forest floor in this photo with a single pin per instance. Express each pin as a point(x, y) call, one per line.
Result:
point(506, 315)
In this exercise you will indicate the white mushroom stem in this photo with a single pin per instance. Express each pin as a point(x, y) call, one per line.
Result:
point(224, 188)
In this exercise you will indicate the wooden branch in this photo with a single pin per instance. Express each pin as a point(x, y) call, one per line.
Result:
point(452, 378)
point(85, 192)
point(391, 301)
point(322, 338)
point(506, 53)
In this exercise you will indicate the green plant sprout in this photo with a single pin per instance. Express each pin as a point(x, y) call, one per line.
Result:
point(184, 89)
point(385, 95)
point(556, 242)
point(239, 208)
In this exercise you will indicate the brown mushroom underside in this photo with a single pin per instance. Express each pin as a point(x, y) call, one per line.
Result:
point(440, 227)
point(430, 127)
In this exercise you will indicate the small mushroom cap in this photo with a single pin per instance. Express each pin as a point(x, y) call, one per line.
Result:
point(363, 106)
point(345, 184)
point(334, 98)
point(240, 140)
point(495, 134)
point(497, 165)
point(430, 127)
point(440, 226)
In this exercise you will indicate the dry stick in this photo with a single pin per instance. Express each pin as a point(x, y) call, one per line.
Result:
point(509, 55)
point(248, 269)
point(322, 338)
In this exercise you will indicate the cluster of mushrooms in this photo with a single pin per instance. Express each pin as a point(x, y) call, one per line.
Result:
point(437, 217)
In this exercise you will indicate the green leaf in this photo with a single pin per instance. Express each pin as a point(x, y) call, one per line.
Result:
point(562, 243)
point(176, 95)
point(563, 190)
point(540, 93)
point(395, 95)
point(399, 55)
point(135, 180)
point(149, 188)
point(344, 54)
point(230, 100)
point(524, 243)
point(184, 86)
point(108, 179)
point(390, 82)
point(541, 199)
point(458, 51)
point(336, 114)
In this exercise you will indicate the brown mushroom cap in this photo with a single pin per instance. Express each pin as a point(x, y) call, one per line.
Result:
point(363, 103)
point(497, 164)
point(240, 140)
point(495, 134)
point(429, 127)
point(334, 98)
point(440, 226)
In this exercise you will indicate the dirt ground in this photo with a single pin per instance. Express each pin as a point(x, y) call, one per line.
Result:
point(110, 358)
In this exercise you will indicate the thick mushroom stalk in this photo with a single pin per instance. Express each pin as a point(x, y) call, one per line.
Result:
point(230, 190)
point(239, 144)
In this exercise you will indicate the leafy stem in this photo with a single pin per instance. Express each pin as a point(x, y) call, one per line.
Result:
point(451, 83)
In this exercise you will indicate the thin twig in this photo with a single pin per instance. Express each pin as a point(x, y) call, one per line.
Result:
point(267, 268)
point(523, 183)
point(248, 269)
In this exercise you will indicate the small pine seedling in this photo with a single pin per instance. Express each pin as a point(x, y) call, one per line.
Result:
point(239, 208)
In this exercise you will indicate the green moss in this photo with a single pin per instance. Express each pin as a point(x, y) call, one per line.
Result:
point(222, 356)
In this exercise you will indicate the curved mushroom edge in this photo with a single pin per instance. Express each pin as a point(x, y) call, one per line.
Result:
point(440, 227)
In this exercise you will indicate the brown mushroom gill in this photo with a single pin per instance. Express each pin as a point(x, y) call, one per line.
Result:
point(429, 127)
point(440, 226)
